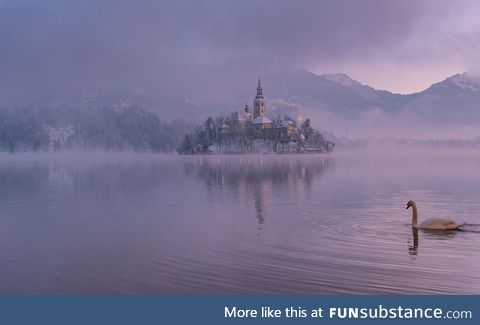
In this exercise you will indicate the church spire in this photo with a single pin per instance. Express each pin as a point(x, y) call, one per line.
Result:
point(259, 89)
point(259, 102)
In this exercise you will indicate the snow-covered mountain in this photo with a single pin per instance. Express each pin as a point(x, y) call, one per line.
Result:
point(457, 83)
point(199, 90)
point(335, 102)
point(453, 101)
point(342, 79)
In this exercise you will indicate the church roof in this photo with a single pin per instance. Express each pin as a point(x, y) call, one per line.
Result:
point(262, 120)
point(285, 123)
point(259, 89)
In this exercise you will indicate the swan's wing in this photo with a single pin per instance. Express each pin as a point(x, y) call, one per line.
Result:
point(437, 221)
point(454, 225)
point(440, 223)
point(459, 226)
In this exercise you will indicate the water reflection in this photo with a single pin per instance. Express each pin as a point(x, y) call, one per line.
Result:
point(260, 203)
point(431, 234)
point(258, 177)
point(440, 234)
point(233, 224)
point(413, 246)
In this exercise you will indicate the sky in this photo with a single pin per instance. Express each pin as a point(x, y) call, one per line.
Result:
point(400, 46)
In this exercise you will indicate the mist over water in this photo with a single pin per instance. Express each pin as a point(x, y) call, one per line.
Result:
point(164, 224)
point(140, 75)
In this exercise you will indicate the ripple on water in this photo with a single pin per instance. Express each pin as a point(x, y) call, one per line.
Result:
point(235, 225)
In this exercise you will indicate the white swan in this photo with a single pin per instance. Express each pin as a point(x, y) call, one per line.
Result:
point(434, 224)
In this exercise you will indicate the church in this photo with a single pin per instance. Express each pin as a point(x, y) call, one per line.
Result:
point(260, 121)
point(248, 130)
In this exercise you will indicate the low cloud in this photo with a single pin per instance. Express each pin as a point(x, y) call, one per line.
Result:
point(59, 47)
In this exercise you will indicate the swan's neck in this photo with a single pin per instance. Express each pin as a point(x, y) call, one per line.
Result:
point(414, 216)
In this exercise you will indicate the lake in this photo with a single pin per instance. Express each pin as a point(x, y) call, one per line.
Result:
point(98, 223)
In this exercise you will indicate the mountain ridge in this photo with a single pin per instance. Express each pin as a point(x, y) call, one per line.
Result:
point(335, 101)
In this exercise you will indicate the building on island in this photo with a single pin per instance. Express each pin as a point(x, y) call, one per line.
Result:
point(254, 131)
point(262, 122)
point(259, 107)
point(260, 119)
point(286, 126)
point(243, 117)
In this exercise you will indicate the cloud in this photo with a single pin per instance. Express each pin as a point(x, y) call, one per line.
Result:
point(280, 103)
point(50, 48)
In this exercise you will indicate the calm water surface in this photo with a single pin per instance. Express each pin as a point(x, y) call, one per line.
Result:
point(156, 224)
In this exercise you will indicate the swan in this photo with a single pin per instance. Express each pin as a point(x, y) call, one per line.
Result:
point(434, 224)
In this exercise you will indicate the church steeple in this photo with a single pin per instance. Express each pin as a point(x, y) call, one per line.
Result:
point(259, 89)
point(259, 103)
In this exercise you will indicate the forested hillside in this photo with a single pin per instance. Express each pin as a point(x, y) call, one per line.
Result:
point(87, 128)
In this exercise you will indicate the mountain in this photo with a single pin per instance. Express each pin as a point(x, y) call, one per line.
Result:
point(458, 83)
point(89, 128)
point(335, 102)
point(195, 91)
point(455, 100)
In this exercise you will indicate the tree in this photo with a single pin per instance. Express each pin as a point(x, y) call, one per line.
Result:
point(306, 128)
point(211, 129)
point(186, 146)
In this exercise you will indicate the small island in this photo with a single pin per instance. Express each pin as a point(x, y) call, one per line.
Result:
point(244, 132)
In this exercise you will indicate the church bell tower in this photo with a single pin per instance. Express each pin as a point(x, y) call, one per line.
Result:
point(259, 102)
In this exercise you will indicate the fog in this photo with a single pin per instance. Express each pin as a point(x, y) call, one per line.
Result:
point(108, 44)
point(191, 59)
point(376, 125)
